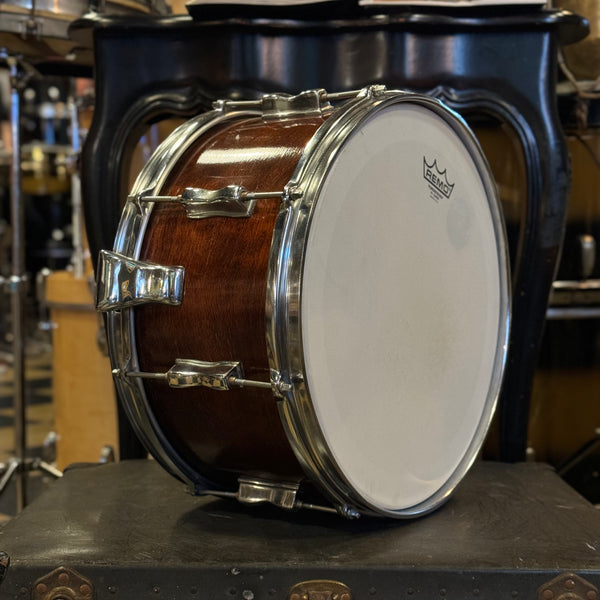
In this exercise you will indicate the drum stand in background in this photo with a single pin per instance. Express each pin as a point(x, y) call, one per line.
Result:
point(19, 465)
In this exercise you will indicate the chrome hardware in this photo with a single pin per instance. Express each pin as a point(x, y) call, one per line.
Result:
point(370, 91)
point(281, 106)
point(348, 512)
point(107, 455)
point(282, 494)
point(587, 248)
point(309, 103)
point(221, 376)
point(254, 491)
point(320, 589)
point(230, 201)
point(214, 375)
point(15, 282)
point(124, 282)
point(574, 294)
point(280, 387)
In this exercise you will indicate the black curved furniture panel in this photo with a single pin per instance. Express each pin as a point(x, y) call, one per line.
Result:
point(504, 66)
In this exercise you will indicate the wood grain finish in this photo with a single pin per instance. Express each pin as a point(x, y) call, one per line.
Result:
point(222, 316)
point(83, 390)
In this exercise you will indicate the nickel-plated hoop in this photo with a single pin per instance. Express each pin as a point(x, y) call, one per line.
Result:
point(381, 366)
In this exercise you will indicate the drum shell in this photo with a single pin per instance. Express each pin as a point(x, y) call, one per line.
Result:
point(222, 316)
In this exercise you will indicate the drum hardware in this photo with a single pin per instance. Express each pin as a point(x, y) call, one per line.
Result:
point(18, 466)
point(280, 494)
point(133, 286)
point(107, 455)
point(44, 321)
point(283, 106)
point(569, 293)
point(587, 246)
point(222, 376)
point(578, 299)
point(127, 282)
point(230, 201)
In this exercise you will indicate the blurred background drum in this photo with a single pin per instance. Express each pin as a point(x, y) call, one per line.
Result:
point(38, 29)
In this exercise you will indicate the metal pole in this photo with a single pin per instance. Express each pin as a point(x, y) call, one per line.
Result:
point(17, 289)
point(78, 260)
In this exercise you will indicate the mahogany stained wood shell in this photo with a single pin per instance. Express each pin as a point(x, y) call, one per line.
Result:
point(222, 316)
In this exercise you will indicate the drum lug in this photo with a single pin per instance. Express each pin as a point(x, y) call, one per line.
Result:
point(214, 375)
point(124, 282)
point(282, 106)
point(283, 494)
point(310, 103)
point(255, 491)
point(231, 201)
point(220, 376)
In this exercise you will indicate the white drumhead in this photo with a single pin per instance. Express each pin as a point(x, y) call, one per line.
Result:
point(401, 306)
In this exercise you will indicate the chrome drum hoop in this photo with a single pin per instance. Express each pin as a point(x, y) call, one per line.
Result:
point(285, 280)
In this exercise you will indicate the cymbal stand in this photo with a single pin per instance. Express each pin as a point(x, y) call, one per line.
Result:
point(18, 466)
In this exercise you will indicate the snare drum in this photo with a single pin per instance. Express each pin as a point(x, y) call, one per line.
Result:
point(312, 288)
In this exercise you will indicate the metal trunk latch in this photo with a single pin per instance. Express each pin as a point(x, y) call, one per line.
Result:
point(568, 586)
point(320, 589)
point(63, 584)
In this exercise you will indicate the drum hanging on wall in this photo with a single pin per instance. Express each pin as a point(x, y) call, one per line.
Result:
point(312, 292)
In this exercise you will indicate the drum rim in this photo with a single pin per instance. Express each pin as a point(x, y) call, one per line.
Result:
point(284, 291)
